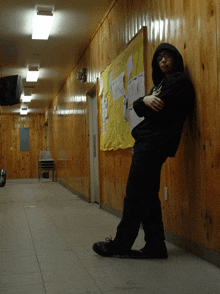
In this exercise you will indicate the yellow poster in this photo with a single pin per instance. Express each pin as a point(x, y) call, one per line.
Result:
point(121, 83)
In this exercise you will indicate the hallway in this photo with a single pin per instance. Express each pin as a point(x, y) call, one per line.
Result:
point(46, 248)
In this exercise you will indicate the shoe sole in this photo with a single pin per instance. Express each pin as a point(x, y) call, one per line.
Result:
point(136, 255)
point(133, 254)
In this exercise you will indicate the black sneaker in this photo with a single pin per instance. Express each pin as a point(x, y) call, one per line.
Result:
point(150, 252)
point(111, 248)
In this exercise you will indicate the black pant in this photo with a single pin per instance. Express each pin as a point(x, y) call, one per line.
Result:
point(142, 203)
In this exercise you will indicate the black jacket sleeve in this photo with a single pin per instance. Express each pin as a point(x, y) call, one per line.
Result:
point(140, 107)
point(177, 97)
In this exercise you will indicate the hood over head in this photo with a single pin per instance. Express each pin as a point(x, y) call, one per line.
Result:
point(157, 74)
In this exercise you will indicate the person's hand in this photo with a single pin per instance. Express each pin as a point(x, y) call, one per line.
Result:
point(154, 102)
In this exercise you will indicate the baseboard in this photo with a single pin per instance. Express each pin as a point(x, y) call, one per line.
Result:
point(194, 248)
point(111, 210)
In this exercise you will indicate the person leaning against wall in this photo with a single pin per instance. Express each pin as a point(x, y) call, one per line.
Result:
point(156, 138)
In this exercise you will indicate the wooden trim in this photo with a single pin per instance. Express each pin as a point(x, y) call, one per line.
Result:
point(98, 133)
point(94, 90)
point(104, 18)
point(88, 138)
point(144, 32)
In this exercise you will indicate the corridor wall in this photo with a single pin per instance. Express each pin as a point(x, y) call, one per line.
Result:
point(192, 177)
point(21, 164)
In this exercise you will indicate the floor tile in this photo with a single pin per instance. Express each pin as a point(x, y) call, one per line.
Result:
point(81, 286)
point(15, 280)
point(75, 273)
point(47, 249)
point(27, 289)
point(14, 267)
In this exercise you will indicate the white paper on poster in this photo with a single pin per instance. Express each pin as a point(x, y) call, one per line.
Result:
point(100, 85)
point(136, 90)
point(130, 66)
point(104, 113)
point(134, 120)
point(118, 88)
point(104, 127)
point(104, 108)
point(110, 81)
point(140, 85)
point(132, 90)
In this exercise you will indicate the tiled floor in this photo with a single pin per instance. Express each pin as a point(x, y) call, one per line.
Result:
point(46, 247)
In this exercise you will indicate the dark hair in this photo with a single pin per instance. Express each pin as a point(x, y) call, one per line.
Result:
point(157, 74)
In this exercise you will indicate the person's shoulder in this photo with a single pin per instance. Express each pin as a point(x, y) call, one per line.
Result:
point(180, 78)
point(182, 81)
point(175, 79)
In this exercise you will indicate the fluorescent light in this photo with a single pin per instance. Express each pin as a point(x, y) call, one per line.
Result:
point(23, 110)
point(26, 98)
point(71, 111)
point(42, 25)
point(32, 75)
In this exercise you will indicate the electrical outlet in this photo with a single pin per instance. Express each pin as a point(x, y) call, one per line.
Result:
point(165, 193)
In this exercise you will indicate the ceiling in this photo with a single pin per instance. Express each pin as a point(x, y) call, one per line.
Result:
point(74, 24)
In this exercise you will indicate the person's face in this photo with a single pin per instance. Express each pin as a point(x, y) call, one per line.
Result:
point(165, 61)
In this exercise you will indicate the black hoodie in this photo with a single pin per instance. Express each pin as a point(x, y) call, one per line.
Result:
point(160, 132)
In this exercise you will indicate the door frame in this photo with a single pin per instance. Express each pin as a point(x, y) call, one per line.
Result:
point(94, 91)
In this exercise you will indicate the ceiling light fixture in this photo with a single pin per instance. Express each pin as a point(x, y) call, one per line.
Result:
point(42, 25)
point(24, 110)
point(26, 98)
point(32, 75)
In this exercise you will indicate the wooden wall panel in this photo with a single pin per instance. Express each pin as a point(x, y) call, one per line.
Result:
point(192, 177)
point(68, 139)
point(21, 164)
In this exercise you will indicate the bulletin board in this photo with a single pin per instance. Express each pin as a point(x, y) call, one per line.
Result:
point(120, 84)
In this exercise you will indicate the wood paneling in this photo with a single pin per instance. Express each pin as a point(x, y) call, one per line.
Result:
point(68, 139)
point(21, 164)
point(192, 177)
